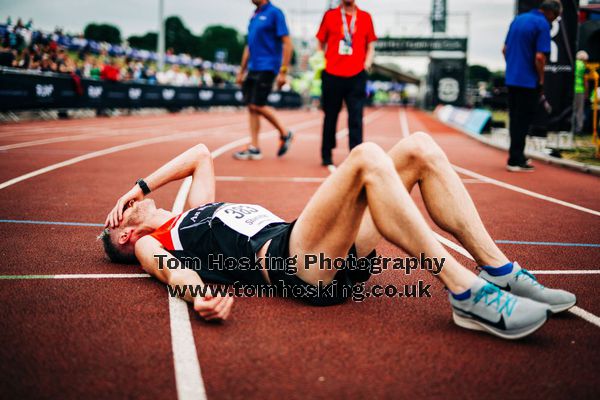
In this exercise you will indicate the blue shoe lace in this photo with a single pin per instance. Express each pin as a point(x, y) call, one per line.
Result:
point(492, 295)
point(528, 275)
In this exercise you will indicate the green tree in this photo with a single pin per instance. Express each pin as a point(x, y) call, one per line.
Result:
point(149, 41)
point(479, 73)
point(182, 40)
point(102, 33)
point(218, 37)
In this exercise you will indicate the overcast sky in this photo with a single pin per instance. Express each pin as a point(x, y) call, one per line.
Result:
point(489, 19)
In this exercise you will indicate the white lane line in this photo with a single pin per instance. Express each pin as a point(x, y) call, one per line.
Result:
point(581, 313)
point(518, 189)
point(566, 272)
point(468, 180)
point(188, 374)
point(404, 123)
point(75, 276)
point(102, 133)
point(110, 150)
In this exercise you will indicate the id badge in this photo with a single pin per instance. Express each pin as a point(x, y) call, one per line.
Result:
point(344, 49)
point(247, 219)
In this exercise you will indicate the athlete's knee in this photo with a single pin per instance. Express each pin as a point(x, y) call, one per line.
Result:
point(366, 152)
point(424, 151)
point(201, 151)
point(371, 159)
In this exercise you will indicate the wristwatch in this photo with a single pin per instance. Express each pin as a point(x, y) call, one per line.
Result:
point(142, 184)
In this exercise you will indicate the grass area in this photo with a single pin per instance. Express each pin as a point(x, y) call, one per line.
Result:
point(584, 151)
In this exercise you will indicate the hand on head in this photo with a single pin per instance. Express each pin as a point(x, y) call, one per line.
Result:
point(115, 216)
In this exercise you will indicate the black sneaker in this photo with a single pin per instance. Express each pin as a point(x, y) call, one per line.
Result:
point(524, 167)
point(284, 143)
point(326, 162)
point(251, 153)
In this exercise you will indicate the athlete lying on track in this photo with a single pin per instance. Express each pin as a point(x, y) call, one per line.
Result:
point(367, 198)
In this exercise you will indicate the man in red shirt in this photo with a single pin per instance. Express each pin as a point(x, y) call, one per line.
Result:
point(348, 39)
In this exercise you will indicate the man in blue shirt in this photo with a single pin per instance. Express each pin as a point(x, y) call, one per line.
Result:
point(266, 57)
point(525, 50)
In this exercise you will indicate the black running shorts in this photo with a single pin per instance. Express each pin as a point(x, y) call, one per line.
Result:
point(336, 292)
point(257, 87)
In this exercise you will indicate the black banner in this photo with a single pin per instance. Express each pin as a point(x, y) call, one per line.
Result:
point(559, 75)
point(420, 45)
point(28, 91)
point(446, 82)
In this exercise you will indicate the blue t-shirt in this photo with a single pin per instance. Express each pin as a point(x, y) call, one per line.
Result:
point(529, 33)
point(265, 30)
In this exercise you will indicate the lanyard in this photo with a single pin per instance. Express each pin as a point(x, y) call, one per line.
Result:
point(348, 31)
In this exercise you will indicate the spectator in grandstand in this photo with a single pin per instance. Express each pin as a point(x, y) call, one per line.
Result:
point(47, 65)
point(580, 89)
point(96, 69)
point(266, 58)
point(525, 48)
point(7, 56)
point(111, 71)
point(347, 37)
point(206, 77)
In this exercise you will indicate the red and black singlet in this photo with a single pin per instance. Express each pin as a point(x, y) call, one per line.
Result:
point(219, 231)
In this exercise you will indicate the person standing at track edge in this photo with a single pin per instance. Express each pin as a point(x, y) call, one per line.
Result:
point(348, 38)
point(267, 58)
point(525, 48)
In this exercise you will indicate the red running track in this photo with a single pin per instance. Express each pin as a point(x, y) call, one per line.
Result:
point(112, 337)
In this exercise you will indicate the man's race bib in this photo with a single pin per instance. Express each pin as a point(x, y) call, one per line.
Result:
point(247, 219)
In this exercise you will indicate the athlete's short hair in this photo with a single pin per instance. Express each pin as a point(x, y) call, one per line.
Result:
point(114, 251)
point(552, 5)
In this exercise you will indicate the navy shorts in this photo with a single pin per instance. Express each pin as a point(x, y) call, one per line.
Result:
point(257, 87)
point(336, 292)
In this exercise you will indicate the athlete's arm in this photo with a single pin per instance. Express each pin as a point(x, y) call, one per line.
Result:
point(285, 60)
point(540, 63)
point(321, 46)
point(243, 66)
point(196, 162)
point(154, 260)
point(370, 55)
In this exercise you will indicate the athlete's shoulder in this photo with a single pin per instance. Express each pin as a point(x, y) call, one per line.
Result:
point(145, 244)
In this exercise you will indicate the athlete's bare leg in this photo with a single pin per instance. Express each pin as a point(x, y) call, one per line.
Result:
point(269, 114)
point(331, 220)
point(419, 160)
point(254, 120)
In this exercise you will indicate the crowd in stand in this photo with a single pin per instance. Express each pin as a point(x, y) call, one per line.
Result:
point(23, 47)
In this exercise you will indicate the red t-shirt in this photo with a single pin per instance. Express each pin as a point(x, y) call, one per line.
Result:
point(332, 31)
point(109, 73)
